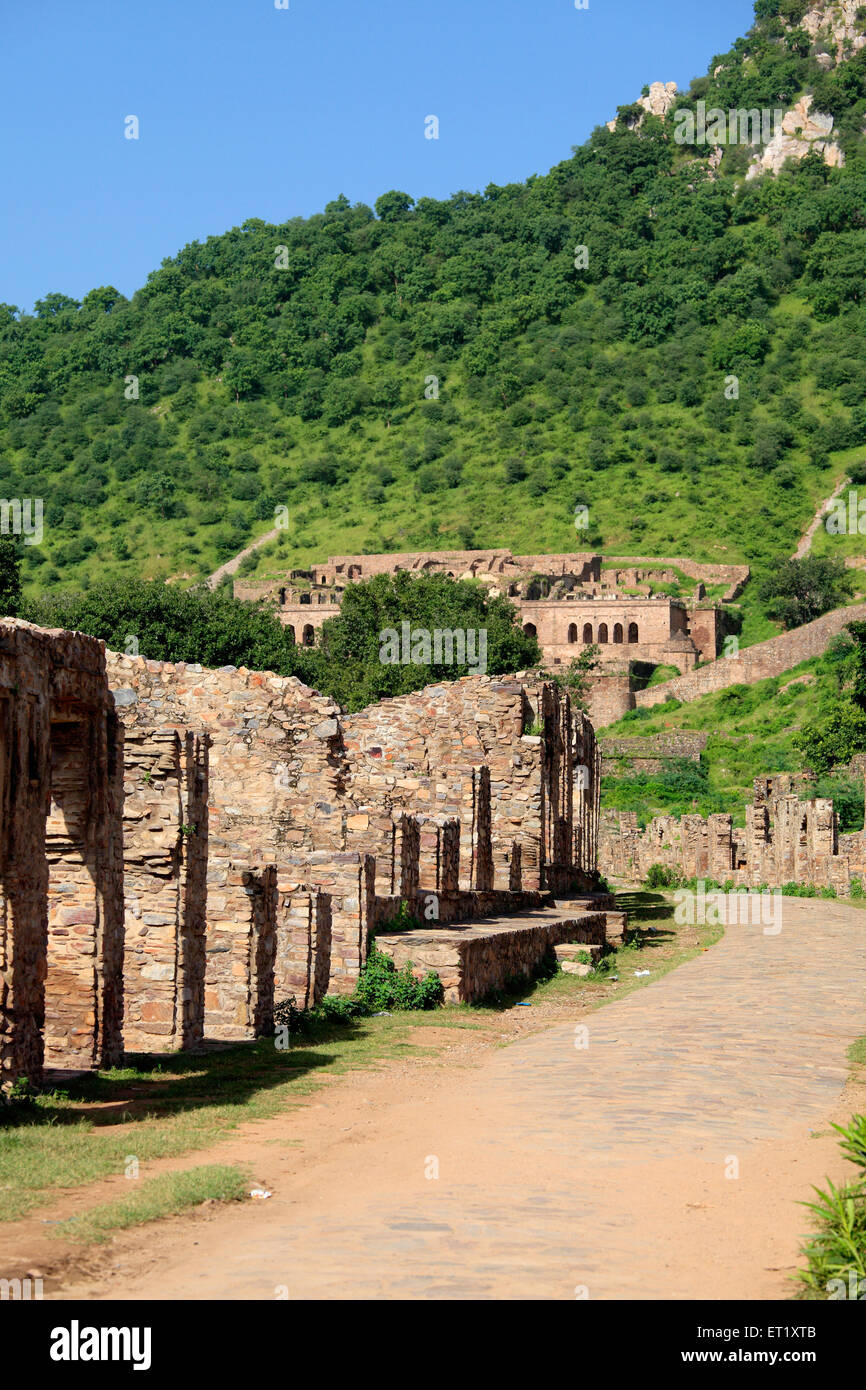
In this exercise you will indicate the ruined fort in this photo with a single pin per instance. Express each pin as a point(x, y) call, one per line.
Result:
point(784, 840)
point(184, 848)
point(568, 601)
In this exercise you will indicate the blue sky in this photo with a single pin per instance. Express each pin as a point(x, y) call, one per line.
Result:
point(250, 111)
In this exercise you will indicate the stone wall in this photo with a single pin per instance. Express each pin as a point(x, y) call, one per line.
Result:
point(757, 663)
point(476, 960)
point(785, 840)
point(61, 907)
point(649, 754)
point(271, 772)
point(261, 834)
point(426, 752)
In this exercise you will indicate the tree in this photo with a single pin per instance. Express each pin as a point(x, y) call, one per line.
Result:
point(363, 655)
point(172, 624)
point(833, 737)
point(390, 207)
point(576, 678)
point(10, 577)
point(797, 591)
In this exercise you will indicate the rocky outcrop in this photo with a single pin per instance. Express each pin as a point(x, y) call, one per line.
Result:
point(802, 131)
point(659, 100)
point(836, 26)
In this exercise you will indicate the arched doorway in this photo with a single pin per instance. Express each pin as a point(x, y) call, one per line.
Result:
point(602, 632)
point(617, 632)
point(632, 632)
point(587, 633)
point(309, 635)
point(572, 632)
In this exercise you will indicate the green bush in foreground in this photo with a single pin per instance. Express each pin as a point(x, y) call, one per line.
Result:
point(381, 988)
point(836, 1256)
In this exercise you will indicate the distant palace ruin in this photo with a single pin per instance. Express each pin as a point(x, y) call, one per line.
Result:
point(567, 601)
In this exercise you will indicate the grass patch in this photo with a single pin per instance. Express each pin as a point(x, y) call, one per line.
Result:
point(157, 1108)
point(166, 1195)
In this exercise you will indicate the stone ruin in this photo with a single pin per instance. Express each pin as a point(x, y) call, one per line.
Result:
point(184, 848)
point(61, 854)
point(785, 840)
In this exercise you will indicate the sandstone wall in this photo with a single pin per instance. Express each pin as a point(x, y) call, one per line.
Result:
point(785, 840)
point(61, 925)
point(648, 754)
point(757, 663)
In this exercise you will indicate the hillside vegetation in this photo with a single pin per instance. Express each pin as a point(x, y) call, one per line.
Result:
point(441, 373)
point(806, 719)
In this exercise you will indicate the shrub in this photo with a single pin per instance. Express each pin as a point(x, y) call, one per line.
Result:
point(382, 986)
point(660, 876)
point(836, 1256)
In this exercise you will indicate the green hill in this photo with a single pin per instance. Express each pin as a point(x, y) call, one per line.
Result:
point(751, 731)
point(298, 365)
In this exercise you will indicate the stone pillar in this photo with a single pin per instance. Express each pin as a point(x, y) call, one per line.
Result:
point(166, 825)
point(24, 782)
point(720, 846)
point(349, 880)
point(405, 856)
point(84, 990)
point(482, 848)
point(241, 943)
point(303, 957)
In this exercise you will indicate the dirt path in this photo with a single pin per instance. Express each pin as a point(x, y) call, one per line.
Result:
point(805, 543)
point(560, 1168)
point(231, 566)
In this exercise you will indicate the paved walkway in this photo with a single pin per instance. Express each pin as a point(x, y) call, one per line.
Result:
point(665, 1159)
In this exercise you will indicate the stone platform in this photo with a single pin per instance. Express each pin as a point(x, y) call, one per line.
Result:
point(474, 958)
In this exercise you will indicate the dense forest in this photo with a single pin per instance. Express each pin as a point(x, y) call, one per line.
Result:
point(459, 373)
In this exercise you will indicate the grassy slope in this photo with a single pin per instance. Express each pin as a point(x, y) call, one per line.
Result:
point(751, 730)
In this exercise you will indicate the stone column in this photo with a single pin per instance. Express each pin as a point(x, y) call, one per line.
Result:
point(24, 782)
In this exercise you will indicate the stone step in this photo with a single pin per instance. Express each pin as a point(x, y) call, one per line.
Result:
point(570, 950)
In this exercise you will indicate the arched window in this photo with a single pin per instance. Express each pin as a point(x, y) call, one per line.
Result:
point(309, 635)
point(587, 632)
point(632, 632)
point(572, 632)
point(529, 629)
point(602, 632)
point(304, 598)
point(282, 595)
point(617, 632)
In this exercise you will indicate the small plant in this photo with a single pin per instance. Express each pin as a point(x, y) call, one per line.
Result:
point(632, 940)
point(836, 1256)
point(18, 1093)
point(660, 876)
point(187, 830)
point(856, 889)
point(383, 987)
point(403, 920)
